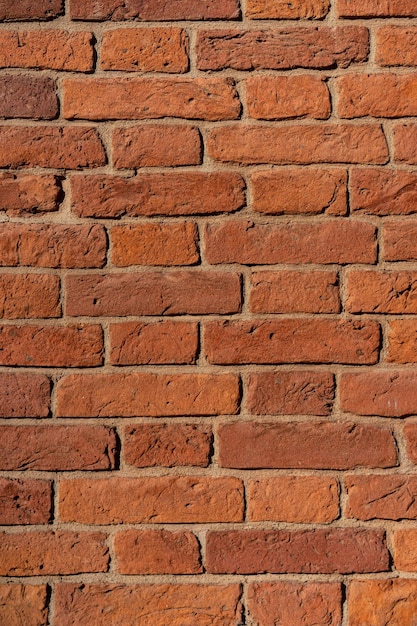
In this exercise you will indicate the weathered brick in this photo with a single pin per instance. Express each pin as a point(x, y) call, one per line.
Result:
point(24, 604)
point(24, 395)
point(52, 245)
point(324, 143)
point(154, 293)
point(360, 95)
point(289, 291)
point(29, 296)
point(298, 9)
point(293, 499)
point(382, 602)
point(318, 551)
point(389, 497)
point(155, 145)
point(399, 240)
point(26, 193)
point(145, 50)
point(396, 45)
point(157, 552)
point(295, 604)
point(283, 97)
point(72, 147)
point(186, 605)
point(405, 151)
point(154, 10)
point(290, 393)
point(151, 499)
point(382, 191)
point(282, 48)
point(47, 49)
point(402, 341)
point(377, 8)
point(150, 98)
point(155, 244)
point(170, 193)
point(299, 190)
point(141, 343)
point(167, 445)
point(54, 552)
point(405, 553)
point(388, 394)
point(53, 448)
point(410, 435)
point(148, 395)
point(25, 502)
point(28, 97)
point(305, 445)
point(27, 10)
point(251, 243)
point(379, 291)
point(309, 340)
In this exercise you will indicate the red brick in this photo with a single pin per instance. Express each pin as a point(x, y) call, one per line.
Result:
point(377, 8)
point(282, 48)
point(147, 395)
point(156, 145)
point(167, 445)
point(360, 95)
point(305, 445)
point(405, 137)
point(186, 605)
point(162, 342)
point(286, 97)
point(27, 10)
point(155, 244)
point(170, 193)
point(390, 40)
point(29, 296)
point(52, 245)
point(373, 602)
point(154, 10)
point(71, 147)
point(373, 291)
point(24, 395)
point(157, 552)
point(299, 190)
point(28, 97)
point(402, 341)
point(410, 435)
point(295, 604)
point(247, 242)
point(309, 340)
point(24, 604)
point(386, 497)
point(150, 98)
point(55, 552)
point(293, 499)
point(54, 448)
point(290, 393)
point(405, 553)
point(318, 551)
point(388, 394)
point(47, 49)
point(324, 143)
point(400, 240)
point(154, 293)
point(26, 193)
point(152, 499)
point(381, 191)
point(289, 291)
point(145, 50)
point(25, 502)
point(298, 9)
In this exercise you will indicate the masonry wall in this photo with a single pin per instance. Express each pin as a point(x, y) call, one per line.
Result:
point(208, 298)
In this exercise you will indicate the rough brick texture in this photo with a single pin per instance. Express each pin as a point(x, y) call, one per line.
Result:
point(208, 312)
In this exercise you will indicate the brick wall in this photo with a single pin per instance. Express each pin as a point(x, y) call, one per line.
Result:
point(208, 297)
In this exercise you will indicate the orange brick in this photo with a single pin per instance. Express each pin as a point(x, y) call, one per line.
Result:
point(377, 8)
point(157, 10)
point(155, 244)
point(29, 296)
point(374, 600)
point(27, 10)
point(298, 9)
point(25, 502)
point(388, 394)
point(379, 291)
point(405, 552)
point(410, 435)
point(360, 95)
point(405, 151)
point(396, 45)
point(402, 341)
point(27, 604)
point(26, 193)
point(382, 191)
point(388, 497)
point(24, 395)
